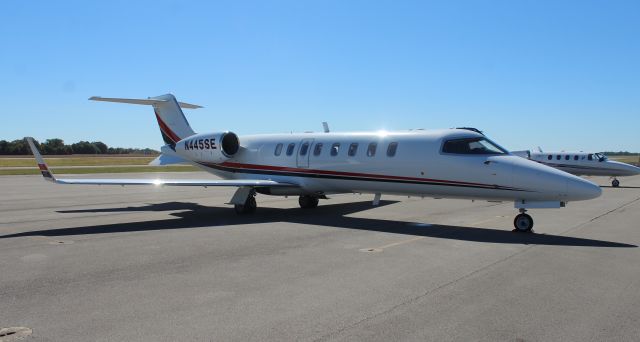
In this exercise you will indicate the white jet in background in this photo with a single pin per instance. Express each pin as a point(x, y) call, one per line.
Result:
point(448, 163)
point(582, 164)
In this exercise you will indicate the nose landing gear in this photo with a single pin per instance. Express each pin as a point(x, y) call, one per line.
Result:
point(523, 222)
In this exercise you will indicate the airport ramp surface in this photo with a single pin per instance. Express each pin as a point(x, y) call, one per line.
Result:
point(148, 264)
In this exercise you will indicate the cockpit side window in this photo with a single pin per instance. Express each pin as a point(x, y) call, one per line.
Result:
point(477, 146)
point(600, 157)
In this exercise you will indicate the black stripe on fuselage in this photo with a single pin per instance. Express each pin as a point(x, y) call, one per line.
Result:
point(357, 178)
point(569, 166)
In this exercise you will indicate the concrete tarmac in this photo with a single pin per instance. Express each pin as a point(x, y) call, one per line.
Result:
point(98, 263)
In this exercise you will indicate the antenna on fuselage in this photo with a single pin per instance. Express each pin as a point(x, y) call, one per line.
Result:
point(325, 125)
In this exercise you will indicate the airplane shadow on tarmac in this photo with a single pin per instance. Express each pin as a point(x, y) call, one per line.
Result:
point(193, 215)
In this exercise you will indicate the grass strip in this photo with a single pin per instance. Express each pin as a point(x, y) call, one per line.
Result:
point(114, 169)
point(77, 161)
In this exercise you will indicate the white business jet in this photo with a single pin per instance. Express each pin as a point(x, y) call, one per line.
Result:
point(582, 164)
point(448, 163)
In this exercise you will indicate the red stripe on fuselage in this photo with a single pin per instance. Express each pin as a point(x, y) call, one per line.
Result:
point(346, 174)
point(166, 130)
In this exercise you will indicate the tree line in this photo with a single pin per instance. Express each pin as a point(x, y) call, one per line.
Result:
point(57, 146)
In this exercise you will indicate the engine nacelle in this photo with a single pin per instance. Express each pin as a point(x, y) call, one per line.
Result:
point(211, 147)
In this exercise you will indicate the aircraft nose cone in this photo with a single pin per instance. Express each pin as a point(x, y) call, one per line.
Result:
point(579, 189)
point(632, 170)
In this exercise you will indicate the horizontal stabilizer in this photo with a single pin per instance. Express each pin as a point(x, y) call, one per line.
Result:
point(149, 102)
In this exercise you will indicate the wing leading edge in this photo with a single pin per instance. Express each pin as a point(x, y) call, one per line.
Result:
point(174, 182)
point(48, 175)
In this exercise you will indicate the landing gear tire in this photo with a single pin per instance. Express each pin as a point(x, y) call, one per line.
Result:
point(308, 202)
point(248, 207)
point(615, 183)
point(523, 223)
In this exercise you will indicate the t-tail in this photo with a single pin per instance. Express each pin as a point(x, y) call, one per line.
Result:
point(173, 124)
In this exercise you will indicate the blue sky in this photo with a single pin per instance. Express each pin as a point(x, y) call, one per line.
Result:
point(559, 74)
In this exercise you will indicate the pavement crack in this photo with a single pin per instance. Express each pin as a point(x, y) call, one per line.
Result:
point(602, 215)
point(423, 295)
point(454, 281)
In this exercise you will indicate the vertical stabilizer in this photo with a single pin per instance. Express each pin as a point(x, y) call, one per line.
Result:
point(173, 124)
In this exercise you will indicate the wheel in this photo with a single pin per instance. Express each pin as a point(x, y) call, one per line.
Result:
point(523, 223)
point(615, 183)
point(308, 202)
point(248, 207)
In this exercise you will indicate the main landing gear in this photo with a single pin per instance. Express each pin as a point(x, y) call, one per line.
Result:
point(615, 183)
point(248, 207)
point(308, 202)
point(523, 222)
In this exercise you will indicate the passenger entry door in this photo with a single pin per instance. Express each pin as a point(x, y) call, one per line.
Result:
point(304, 151)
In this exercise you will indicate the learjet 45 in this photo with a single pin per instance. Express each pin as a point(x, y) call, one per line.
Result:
point(446, 163)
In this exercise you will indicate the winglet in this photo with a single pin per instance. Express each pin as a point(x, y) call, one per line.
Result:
point(44, 169)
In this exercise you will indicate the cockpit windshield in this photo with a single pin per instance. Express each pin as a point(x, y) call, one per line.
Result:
point(476, 146)
point(601, 157)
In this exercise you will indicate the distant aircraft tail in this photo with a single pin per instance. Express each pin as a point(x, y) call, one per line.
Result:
point(173, 124)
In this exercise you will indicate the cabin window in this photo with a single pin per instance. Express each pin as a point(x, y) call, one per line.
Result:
point(335, 148)
point(290, 149)
point(472, 146)
point(371, 150)
point(391, 150)
point(278, 149)
point(567, 157)
point(317, 149)
point(549, 157)
point(304, 148)
point(575, 157)
point(558, 157)
point(353, 149)
point(590, 156)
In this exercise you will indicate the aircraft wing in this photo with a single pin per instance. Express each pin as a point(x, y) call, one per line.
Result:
point(173, 182)
point(254, 183)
